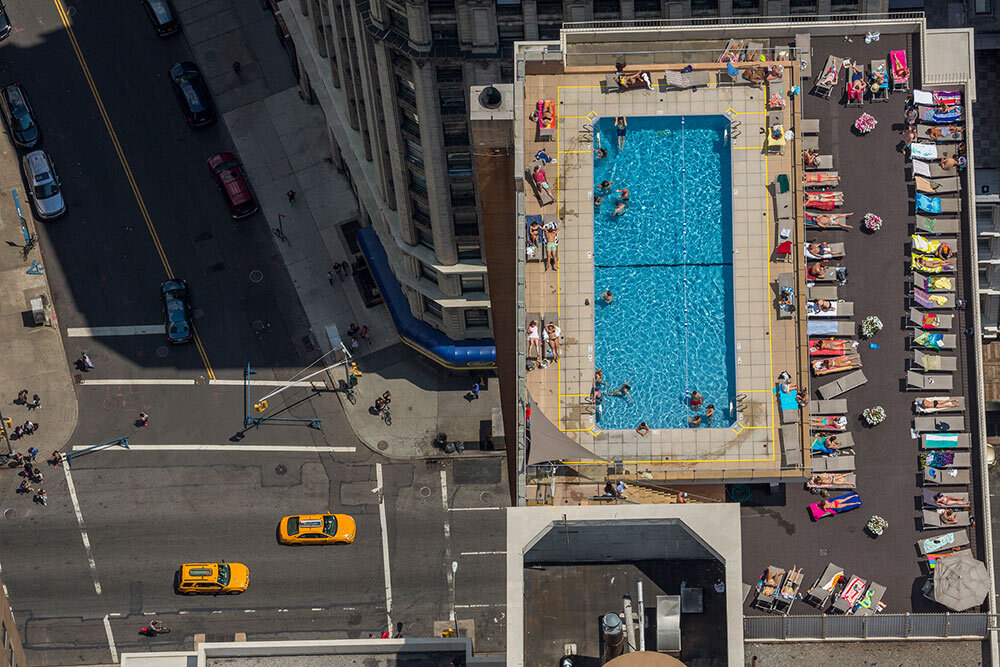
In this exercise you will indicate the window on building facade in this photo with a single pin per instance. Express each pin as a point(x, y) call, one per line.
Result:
point(549, 8)
point(397, 19)
point(441, 7)
point(509, 8)
point(469, 250)
point(802, 6)
point(647, 8)
point(549, 31)
point(704, 7)
point(844, 5)
point(445, 34)
point(607, 7)
point(433, 308)
point(427, 272)
point(402, 63)
point(424, 237)
point(984, 6)
point(456, 133)
point(746, 7)
point(459, 165)
point(452, 100)
point(477, 318)
point(406, 90)
point(510, 33)
point(473, 283)
point(420, 212)
point(414, 153)
point(463, 194)
point(449, 74)
point(418, 184)
point(409, 122)
point(466, 223)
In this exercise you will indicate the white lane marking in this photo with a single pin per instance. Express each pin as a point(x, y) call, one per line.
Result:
point(182, 612)
point(114, 613)
point(479, 606)
point(217, 612)
point(249, 611)
point(149, 613)
point(475, 509)
point(111, 639)
point(447, 542)
point(100, 382)
point(135, 381)
point(223, 448)
point(385, 549)
point(483, 553)
point(269, 383)
point(317, 608)
point(94, 332)
point(83, 529)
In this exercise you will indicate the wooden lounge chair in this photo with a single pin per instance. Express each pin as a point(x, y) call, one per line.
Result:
point(938, 186)
point(836, 406)
point(791, 445)
point(938, 225)
point(844, 463)
point(819, 594)
point(767, 592)
point(944, 322)
point(810, 126)
point(936, 382)
point(935, 362)
point(928, 284)
point(785, 281)
point(882, 93)
point(932, 519)
point(828, 292)
point(943, 441)
point(929, 496)
point(611, 83)
point(850, 481)
point(843, 384)
point(943, 542)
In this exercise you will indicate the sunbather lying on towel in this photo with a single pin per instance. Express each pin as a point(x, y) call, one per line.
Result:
point(810, 158)
point(829, 347)
point(945, 132)
point(943, 499)
point(879, 79)
point(769, 581)
point(819, 250)
point(938, 249)
point(935, 403)
point(637, 80)
point(791, 585)
point(831, 506)
point(820, 178)
point(811, 197)
point(930, 321)
point(827, 220)
point(836, 364)
point(820, 306)
point(952, 162)
point(830, 479)
point(836, 423)
point(856, 91)
point(931, 264)
point(825, 445)
point(755, 75)
point(948, 517)
point(821, 271)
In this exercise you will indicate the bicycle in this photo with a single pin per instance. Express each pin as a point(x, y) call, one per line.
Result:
point(386, 417)
point(154, 628)
point(280, 234)
point(348, 390)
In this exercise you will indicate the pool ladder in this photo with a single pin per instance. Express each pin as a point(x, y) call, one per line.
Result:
point(587, 132)
point(733, 131)
point(739, 404)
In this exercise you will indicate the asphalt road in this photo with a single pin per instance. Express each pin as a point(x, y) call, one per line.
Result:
point(85, 572)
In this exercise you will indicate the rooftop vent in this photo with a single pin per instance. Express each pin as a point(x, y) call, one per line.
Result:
point(490, 98)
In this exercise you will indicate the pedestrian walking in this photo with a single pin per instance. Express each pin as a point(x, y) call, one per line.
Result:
point(42, 498)
point(363, 332)
point(347, 268)
point(27, 468)
point(475, 391)
point(340, 271)
point(36, 403)
point(18, 432)
point(36, 475)
point(86, 362)
point(143, 419)
point(22, 396)
point(291, 196)
point(237, 67)
point(25, 487)
point(56, 459)
point(32, 452)
point(29, 427)
point(329, 276)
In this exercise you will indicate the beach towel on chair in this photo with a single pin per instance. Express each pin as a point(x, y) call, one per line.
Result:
point(932, 115)
point(821, 328)
point(941, 441)
point(928, 204)
point(929, 340)
point(846, 503)
point(935, 97)
point(924, 151)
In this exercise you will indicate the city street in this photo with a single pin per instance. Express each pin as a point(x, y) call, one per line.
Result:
point(86, 571)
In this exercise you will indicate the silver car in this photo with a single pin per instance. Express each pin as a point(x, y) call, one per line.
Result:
point(43, 185)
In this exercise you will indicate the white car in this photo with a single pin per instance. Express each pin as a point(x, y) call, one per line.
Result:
point(43, 185)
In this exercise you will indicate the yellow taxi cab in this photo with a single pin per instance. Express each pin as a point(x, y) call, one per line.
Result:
point(212, 578)
point(317, 529)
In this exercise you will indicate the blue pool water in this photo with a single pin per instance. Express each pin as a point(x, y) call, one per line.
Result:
point(668, 263)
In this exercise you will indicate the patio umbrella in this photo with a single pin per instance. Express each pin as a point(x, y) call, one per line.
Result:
point(960, 582)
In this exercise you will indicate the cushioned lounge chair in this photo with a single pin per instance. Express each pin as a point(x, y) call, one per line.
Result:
point(830, 328)
point(897, 62)
point(786, 281)
point(930, 340)
point(674, 80)
point(938, 186)
point(788, 592)
point(935, 362)
point(840, 309)
point(947, 477)
point(931, 169)
point(944, 322)
point(881, 94)
point(932, 519)
point(850, 596)
point(936, 382)
point(843, 463)
point(930, 496)
point(941, 224)
point(832, 274)
point(829, 77)
point(934, 284)
point(924, 134)
point(836, 251)
point(944, 441)
point(819, 594)
point(766, 593)
point(848, 502)
point(843, 384)
point(837, 406)
point(933, 299)
point(869, 602)
point(850, 481)
point(943, 542)
point(791, 445)
point(959, 407)
point(828, 292)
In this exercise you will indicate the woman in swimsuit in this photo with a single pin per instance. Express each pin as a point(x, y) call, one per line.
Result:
point(818, 177)
point(827, 504)
point(816, 197)
point(827, 220)
point(817, 271)
point(830, 478)
point(820, 306)
point(943, 251)
point(948, 516)
point(621, 125)
point(534, 340)
point(828, 422)
point(810, 158)
point(943, 132)
point(945, 499)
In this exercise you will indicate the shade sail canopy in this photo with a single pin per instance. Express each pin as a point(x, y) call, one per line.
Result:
point(547, 443)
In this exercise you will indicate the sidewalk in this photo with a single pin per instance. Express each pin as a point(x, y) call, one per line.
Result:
point(282, 142)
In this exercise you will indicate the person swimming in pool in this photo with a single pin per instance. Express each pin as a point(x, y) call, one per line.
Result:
point(624, 194)
point(624, 390)
point(597, 201)
point(622, 126)
point(601, 153)
point(709, 413)
point(620, 208)
point(696, 400)
point(605, 185)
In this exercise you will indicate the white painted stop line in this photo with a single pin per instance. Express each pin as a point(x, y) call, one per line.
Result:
point(97, 332)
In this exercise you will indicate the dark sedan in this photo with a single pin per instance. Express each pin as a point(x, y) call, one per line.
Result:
point(5, 27)
point(192, 93)
point(19, 117)
point(229, 177)
point(163, 16)
point(176, 311)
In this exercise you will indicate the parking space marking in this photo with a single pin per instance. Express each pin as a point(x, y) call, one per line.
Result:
point(224, 448)
point(83, 529)
point(385, 548)
point(450, 566)
point(111, 640)
point(483, 553)
point(97, 332)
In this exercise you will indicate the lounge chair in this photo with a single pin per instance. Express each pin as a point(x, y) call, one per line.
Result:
point(938, 186)
point(836, 347)
point(812, 179)
point(939, 225)
point(933, 299)
point(783, 201)
point(844, 440)
point(933, 519)
point(820, 592)
point(836, 251)
point(869, 602)
point(847, 502)
point(930, 497)
point(943, 542)
point(831, 424)
point(843, 463)
point(939, 441)
point(767, 592)
point(948, 477)
point(933, 341)
point(788, 592)
point(754, 50)
point(880, 94)
point(829, 77)
point(786, 283)
point(919, 407)
point(832, 274)
point(843, 384)
point(929, 114)
point(897, 60)
point(823, 162)
point(830, 328)
point(803, 43)
point(935, 362)
point(855, 99)
point(850, 596)
point(611, 83)
point(828, 292)
point(791, 445)
point(915, 380)
point(849, 481)
point(681, 81)
point(932, 152)
point(537, 254)
point(924, 135)
point(546, 130)
point(810, 126)
point(811, 142)
point(840, 309)
point(930, 321)
point(837, 406)
point(921, 244)
point(929, 264)
point(842, 364)
point(934, 284)
point(544, 195)
point(934, 97)
point(733, 52)
point(930, 169)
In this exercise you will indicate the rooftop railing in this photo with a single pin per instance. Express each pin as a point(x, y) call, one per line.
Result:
point(713, 21)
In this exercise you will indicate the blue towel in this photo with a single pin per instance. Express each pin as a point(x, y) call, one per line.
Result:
point(818, 446)
point(731, 69)
point(821, 328)
point(928, 204)
point(786, 401)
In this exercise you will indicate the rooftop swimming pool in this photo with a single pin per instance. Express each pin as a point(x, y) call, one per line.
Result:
point(668, 263)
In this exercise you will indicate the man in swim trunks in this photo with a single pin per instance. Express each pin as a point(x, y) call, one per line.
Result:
point(817, 271)
point(605, 185)
point(818, 249)
point(624, 194)
point(696, 400)
point(619, 208)
point(621, 125)
point(551, 245)
point(944, 132)
point(951, 162)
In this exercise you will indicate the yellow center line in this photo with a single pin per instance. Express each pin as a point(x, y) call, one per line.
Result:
point(128, 170)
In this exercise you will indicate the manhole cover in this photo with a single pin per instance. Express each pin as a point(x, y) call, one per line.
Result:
point(486, 497)
point(9, 513)
point(280, 469)
point(382, 445)
point(256, 276)
point(162, 351)
point(110, 404)
point(425, 492)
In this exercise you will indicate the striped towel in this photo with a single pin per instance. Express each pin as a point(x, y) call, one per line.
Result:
point(945, 441)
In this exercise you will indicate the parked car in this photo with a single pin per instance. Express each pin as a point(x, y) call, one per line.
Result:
point(19, 117)
point(229, 177)
point(43, 185)
point(192, 93)
point(163, 16)
point(5, 27)
point(176, 311)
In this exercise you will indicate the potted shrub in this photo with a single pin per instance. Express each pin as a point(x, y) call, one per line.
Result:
point(870, 326)
point(874, 416)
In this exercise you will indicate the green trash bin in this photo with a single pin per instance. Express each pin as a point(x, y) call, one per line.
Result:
point(782, 182)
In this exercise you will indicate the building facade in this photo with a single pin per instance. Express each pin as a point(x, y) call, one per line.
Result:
point(11, 650)
point(393, 76)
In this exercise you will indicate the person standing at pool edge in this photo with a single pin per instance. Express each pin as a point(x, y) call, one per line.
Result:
point(621, 124)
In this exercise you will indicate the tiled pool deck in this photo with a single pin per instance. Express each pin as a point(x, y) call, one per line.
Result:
point(764, 346)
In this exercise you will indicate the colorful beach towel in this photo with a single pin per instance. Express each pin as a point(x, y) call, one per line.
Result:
point(924, 152)
point(941, 441)
point(932, 115)
point(929, 340)
point(848, 502)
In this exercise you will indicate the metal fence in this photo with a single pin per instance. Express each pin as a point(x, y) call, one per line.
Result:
point(879, 626)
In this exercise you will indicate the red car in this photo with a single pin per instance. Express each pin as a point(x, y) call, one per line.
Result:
point(229, 177)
